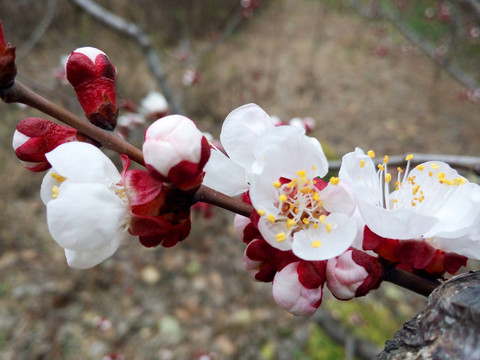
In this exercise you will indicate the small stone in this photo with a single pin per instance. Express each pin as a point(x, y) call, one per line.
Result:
point(150, 275)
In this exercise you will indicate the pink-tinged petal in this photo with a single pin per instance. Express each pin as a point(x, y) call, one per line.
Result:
point(240, 131)
point(88, 259)
point(290, 295)
point(322, 244)
point(86, 217)
point(253, 267)
point(140, 186)
point(217, 166)
point(338, 199)
point(239, 224)
point(83, 162)
point(19, 139)
point(344, 276)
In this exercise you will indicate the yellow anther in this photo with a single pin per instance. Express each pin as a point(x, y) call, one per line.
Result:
point(314, 167)
point(277, 184)
point(260, 212)
point(430, 173)
point(305, 221)
point(296, 210)
point(290, 223)
point(55, 190)
point(385, 159)
point(316, 244)
point(58, 177)
point(301, 173)
point(315, 226)
point(399, 169)
point(459, 181)
point(413, 204)
point(334, 180)
point(371, 153)
point(420, 167)
point(435, 166)
point(271, 218)
point(395, 201)
point(283, 198)
point(409, 157)
point(362, 163)
point(281, 237)
point(322, 218)
point(441, 175)
point(415, 189)
point(291, 184)
point(388, 177)
point(316, 197)
point(380, 167)
point(291, 206)
point(328, 227)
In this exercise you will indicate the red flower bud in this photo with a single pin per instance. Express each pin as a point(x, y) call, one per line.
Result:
point(92, 75)
point(34, 137)
point(8, 70)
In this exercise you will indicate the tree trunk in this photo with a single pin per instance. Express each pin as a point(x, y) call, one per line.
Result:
point(448, 327)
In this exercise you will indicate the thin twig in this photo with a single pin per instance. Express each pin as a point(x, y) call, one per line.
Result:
point(39, 30)
point(128, 28)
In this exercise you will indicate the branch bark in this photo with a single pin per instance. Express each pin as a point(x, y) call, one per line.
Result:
point(136, 33)
point(448, 327)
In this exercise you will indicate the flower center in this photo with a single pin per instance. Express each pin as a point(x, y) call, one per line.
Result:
point(409, 193)
point(299, 205)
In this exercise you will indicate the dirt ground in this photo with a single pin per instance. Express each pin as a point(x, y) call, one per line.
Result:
point(294, 58)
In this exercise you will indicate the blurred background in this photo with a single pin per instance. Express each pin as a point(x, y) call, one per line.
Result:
point(393, 76)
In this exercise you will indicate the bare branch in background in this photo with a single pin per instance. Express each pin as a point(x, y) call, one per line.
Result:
point(470, 163)
point(128, 28)
point(375, 13)
point(475, 5)
point(39, 30)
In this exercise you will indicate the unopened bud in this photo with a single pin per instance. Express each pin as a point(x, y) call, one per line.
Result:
point(290, 294)
point(8, 70)
point(154, 106)
point(175, 151)
point(34, 137)
point(92, 75)
point(353, 274)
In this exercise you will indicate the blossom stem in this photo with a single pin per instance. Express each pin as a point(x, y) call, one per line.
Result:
point(208, 195)
point(21, 94)
point(410, 281)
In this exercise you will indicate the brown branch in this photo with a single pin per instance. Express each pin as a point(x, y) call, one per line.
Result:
point(132, 30)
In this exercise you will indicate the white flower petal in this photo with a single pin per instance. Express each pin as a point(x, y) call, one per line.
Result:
point(88, 259)
point(224, 175)
point(84, 162)
point(270, 230)
point(240, 131)
point(338, 199)
point(86, 216)
point(332, 244)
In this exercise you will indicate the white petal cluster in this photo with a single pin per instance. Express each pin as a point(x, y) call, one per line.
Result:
point(295, 215)
point(431, 202)
point(87, 211)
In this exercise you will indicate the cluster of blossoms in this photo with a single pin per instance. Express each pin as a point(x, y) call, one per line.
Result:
point(305, 231)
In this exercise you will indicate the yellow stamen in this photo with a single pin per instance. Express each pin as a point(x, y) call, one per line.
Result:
point(283, 198)
point(388, 177)
point(322, 218)
point(371, 153)
point(290, 223)
point(316, 197)
point(420, 167)
point(315, 226)
point(281, 237)
point(329, 227)
point(334, 180)
point(380, 167)
point(301, 173)
point(441, 175)
point(305, 221)
point(316, 244)
point(58, 177)
point(55, 190)
point(399, 169)
point(277, 184)
point(260, 212)
point(415, 189)
point(362, 163)
point(271, 218)
point(385, 159)
point(409, 157)
point(314, 167)
point(435, 166)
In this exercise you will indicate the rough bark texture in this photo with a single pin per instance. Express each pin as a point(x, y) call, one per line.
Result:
point(448, 327)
